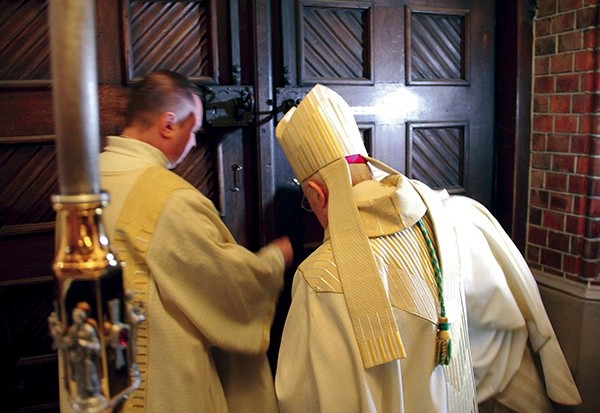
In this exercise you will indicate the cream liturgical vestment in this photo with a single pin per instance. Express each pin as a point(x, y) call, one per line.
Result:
point(507, 319)
point(209, 301)
point(320, 368)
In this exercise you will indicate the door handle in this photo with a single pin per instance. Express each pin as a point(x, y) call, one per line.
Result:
point(237, 177)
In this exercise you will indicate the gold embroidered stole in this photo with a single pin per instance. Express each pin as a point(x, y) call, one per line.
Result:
point(132, 236)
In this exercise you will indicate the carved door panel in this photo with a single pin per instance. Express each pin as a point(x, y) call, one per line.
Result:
point(418, 75)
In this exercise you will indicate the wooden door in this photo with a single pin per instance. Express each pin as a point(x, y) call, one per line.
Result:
point(200, 39)
point(419, 76)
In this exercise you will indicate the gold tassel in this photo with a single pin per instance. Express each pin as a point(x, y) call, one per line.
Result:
point(443, 342)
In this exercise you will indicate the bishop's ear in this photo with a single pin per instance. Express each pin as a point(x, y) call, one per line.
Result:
point(319, 193)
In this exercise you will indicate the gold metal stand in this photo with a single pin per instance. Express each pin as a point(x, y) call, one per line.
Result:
point(94, 323)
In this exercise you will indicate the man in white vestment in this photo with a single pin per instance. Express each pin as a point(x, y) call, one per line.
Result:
point(400, 266)
point(373, 325)
point(209, 302)
point(508, 324)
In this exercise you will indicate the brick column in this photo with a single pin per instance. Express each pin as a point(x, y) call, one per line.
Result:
point(564, 201)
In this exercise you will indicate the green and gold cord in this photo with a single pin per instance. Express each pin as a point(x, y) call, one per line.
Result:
point(443, 342)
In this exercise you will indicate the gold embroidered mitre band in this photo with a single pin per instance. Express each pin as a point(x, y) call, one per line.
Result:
point(317, 136)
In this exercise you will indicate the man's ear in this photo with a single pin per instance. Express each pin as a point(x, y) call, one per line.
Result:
point(321, 194)
point(167, 121)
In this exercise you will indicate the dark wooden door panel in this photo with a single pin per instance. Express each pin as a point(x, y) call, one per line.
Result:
point(174, 35)
point(28, 362)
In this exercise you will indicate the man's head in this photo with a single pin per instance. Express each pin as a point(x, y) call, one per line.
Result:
point(164, 110)
point(316, 192)
point(320, 131)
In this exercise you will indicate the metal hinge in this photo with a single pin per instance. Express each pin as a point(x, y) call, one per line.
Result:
point(289, 96)
point(229, 106)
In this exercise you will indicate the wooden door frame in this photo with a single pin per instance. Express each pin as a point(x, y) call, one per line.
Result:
point(513, 72)
point(514, 26)
point(265, 118)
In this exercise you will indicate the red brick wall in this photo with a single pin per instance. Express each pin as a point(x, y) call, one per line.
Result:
point(564, 216)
